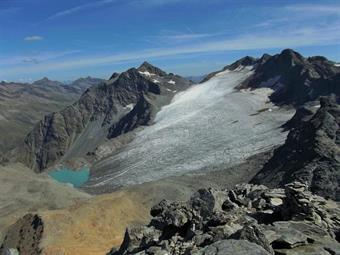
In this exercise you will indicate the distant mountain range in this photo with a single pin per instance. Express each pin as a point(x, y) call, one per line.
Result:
point(22, 105)
point(196, 79)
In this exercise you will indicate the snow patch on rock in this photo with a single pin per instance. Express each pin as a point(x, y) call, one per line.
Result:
point(129, 107)
point(146, 73)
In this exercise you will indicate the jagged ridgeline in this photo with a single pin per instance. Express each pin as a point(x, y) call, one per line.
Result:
point(131, 99)
point(22, 105)
point(126, 101)
point(294, 78)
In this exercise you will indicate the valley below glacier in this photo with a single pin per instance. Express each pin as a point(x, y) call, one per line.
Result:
point(209, 127)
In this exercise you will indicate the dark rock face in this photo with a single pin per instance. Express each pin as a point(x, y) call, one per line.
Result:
point(295, 79)
point(147, 67)
point(126, 101)
point(262, 221)
point(310, 154)
point(140, 115)
point(246, 61)
point(24, 236)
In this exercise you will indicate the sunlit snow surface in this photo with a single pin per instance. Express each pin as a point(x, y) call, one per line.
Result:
point(206, 127)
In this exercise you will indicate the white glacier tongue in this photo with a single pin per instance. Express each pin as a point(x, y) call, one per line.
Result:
point(209, 126)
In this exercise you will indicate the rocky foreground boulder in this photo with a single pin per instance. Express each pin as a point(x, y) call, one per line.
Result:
point(24, 237)
point(311, 153)
point(249, 219)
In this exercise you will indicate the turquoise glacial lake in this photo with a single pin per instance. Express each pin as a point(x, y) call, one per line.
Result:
point(66, 175)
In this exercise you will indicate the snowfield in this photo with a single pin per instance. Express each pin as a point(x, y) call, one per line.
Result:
point(207, 127)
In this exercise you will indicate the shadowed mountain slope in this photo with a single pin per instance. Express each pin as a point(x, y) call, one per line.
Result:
point(23, 105)
point(311, 153)
point(294, 78)
point(82, 126)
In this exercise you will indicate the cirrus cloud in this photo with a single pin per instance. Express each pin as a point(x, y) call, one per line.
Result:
point(33, 38)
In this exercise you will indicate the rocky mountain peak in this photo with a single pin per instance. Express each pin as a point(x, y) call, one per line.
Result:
point(134, 81)
point(289, 53)
point(146, 67)
point(47, 82)
point(245, 61)
point(294, 79)
point(284, 61)
point(114, 75)
point(45, 79)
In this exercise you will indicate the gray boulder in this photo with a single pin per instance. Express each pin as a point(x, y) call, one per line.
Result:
point(235, 247)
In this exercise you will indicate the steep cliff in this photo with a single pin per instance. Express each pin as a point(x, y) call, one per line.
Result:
point(99, 113)
point(311, 153)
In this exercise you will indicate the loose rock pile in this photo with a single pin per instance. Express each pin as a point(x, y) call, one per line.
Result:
point(249, 219)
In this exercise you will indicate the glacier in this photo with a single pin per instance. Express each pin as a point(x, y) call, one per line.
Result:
point(207, 127)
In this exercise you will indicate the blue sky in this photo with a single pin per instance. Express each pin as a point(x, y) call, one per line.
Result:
point(67, 39)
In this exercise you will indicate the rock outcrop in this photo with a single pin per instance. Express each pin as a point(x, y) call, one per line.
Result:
point(249, 219)
point(245, 61)
point(294, 78)
point(24, 237)
point(311, 153)
point(125, 102)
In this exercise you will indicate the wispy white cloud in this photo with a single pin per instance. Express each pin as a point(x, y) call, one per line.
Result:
point(180, 37)
point(9, 11)
point(183, 37)
point(307, 36)
point(153, 2)
point(33, 38)
point(79, 8)
point(95, 4)
point(300, 14)
point(315, 9)
point(35, 58)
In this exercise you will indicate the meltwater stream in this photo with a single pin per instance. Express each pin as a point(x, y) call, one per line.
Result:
point(205, 127)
